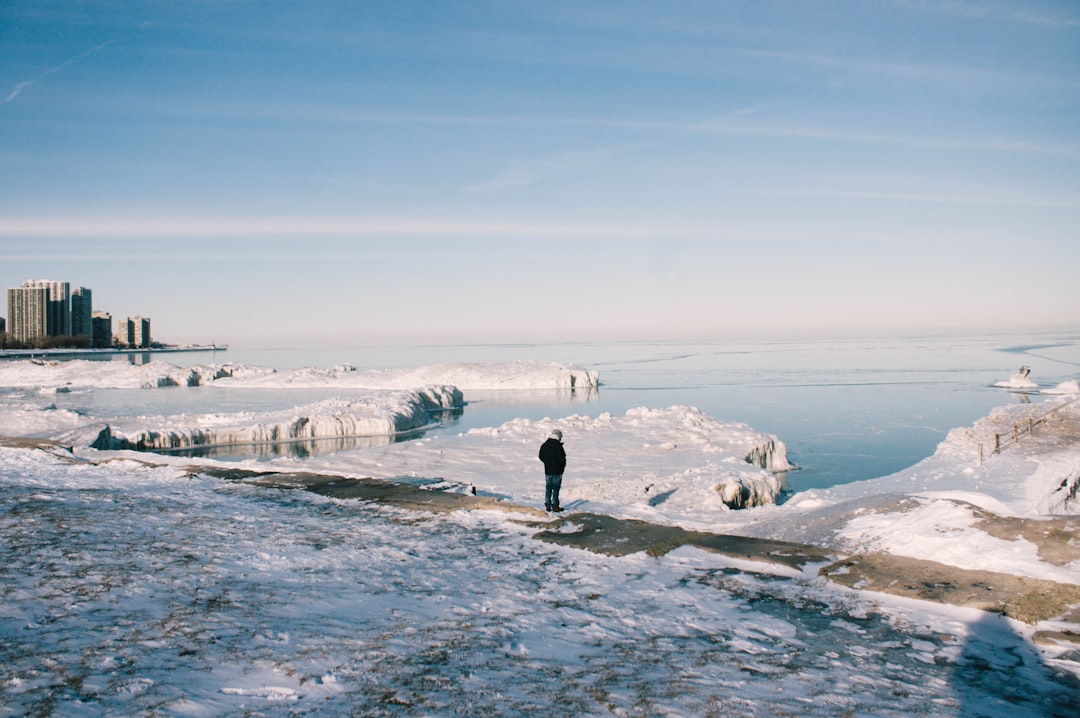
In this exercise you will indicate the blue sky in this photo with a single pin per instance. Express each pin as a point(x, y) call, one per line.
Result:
point(379, 172)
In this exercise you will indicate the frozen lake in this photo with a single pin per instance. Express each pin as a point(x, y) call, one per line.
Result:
point(847, 410)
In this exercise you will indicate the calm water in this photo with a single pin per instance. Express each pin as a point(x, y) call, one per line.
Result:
point(847, 410)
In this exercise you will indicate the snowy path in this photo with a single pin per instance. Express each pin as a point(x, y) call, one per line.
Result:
point(128, 588)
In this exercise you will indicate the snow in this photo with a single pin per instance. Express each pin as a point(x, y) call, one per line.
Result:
point(80, 373)
point(1072, 386)
point(1020, 380)
point(135, 582)
point(385, 415)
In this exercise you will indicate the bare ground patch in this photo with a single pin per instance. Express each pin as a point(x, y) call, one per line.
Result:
point(1027, 599)
point(1057, 539)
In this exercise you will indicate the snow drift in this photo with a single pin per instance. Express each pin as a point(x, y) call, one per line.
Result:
point(676, 465)
point(81, 373)
point(1020, 380)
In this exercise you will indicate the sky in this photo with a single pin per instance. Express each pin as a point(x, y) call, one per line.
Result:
point(341, 173)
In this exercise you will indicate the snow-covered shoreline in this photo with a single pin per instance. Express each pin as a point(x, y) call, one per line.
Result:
point(297, 596)
point(80, 373)
point(383, 414)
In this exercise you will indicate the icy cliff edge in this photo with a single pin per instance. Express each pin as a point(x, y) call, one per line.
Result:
point(383, 414)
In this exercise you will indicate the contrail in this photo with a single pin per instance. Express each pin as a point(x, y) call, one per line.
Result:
point(20, 86)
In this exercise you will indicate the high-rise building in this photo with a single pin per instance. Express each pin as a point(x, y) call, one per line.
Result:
point(134, 332)
point(28, 310)
point(142, 331)
point(40, 308)
point(58, 316)
point(101, 334)
point(125, 332)
point(82, 313)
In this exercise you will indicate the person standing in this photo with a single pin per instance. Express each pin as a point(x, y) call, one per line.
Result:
point(553, 455)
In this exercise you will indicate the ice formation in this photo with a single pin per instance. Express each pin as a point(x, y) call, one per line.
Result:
point(383, 414)
point(1071, 386)
point(1020, 380)
point(488, 376)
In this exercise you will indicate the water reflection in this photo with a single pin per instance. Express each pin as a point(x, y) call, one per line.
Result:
point(307, 448)
point(299, 449)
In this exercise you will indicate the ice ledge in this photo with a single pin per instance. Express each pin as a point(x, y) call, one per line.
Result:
point(384, 414)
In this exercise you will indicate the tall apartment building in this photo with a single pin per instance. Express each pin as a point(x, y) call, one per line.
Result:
point(142, 331)
point(134, 332)
point(58, 317)
point(101, 334)
point(39, 308)
point(44, 308)
point(28, 311)
point(82, 314)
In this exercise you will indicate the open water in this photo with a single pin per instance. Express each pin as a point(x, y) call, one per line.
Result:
point(847, 409)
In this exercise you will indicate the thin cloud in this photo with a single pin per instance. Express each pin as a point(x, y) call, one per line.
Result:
point(254, 227)
point(20, 86)
point(734, 123)
point(926, 198)
point(554, 166)
point(920, 142)
point(983, 10)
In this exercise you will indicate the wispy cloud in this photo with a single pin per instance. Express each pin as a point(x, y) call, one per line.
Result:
point(21, 86)
point(927, 198)
point(735, 123)
point(254, 227)
point(930, 142)
point(966, 78)
point(994, 10)
point(553, 166)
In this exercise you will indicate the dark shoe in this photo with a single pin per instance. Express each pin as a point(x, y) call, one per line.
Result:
point(556, 508)
point(547, 507)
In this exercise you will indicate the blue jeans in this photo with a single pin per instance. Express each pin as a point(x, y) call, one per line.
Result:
point(551, 490)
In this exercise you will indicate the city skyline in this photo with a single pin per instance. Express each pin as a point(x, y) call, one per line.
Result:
point(43, 309)
point(514, 172)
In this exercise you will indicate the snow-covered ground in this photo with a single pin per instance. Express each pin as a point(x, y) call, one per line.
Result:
point(138, 583)
point(80, 373)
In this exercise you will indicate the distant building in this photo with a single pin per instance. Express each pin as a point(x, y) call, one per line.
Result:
point(39, 308)
point(43, 308)
point(58, 306)
point(142, 332)
point(101, 329)
point(134, 332)
point(28, 313)
point(125, 333)
point(82, 314)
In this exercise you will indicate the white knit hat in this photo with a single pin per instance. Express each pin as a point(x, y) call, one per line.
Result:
point(556, 434)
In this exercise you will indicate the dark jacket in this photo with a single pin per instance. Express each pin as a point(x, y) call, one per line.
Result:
point(554, 457)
